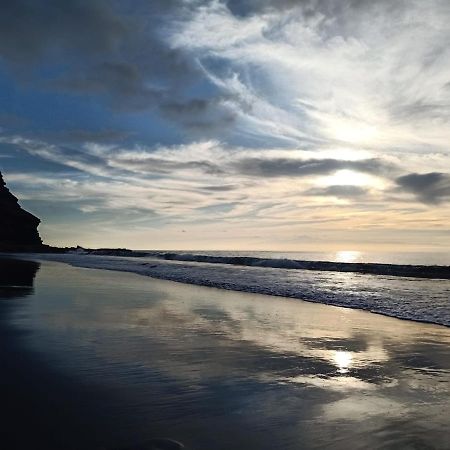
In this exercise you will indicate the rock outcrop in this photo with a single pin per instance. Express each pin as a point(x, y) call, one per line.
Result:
point(18, 228)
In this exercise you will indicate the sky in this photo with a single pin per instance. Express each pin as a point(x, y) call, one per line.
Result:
point(229, 124)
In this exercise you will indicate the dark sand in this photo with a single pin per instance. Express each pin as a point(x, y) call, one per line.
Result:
point(94, 359)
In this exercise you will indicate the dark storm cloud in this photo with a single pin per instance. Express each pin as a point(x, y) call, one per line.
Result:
point(430, 188)
point(338, 191)
point(290, 167)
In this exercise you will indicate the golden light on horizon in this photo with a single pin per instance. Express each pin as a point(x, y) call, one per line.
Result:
point(348, 256)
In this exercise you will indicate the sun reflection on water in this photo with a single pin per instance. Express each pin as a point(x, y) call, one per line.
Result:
point(343, 360)
point(348, 256)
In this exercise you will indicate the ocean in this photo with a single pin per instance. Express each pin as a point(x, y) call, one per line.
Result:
point(344, 256)
point(412, 286)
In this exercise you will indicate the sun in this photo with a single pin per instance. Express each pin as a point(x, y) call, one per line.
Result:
point(354, 132)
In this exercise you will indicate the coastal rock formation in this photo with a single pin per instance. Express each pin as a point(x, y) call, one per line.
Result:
point(18, 228)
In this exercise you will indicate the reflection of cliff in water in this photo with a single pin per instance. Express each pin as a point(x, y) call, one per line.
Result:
point(17, 277)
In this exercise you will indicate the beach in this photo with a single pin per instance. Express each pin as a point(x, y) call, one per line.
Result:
point(96, 359)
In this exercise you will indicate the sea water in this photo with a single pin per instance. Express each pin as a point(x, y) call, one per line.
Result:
point(407, 291)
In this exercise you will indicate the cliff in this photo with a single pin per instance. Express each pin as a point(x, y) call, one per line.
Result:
point(18, 228)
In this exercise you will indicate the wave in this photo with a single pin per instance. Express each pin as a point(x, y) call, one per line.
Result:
point(397, 270)
point(423, 300)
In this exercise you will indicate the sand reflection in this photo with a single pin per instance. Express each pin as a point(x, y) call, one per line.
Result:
point(249, 367)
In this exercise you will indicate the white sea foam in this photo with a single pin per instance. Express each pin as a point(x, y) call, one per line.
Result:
point(426, 300)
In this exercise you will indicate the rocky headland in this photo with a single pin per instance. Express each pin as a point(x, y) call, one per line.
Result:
point(18, 228)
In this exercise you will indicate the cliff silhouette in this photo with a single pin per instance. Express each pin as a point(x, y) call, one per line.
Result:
point(18, 228)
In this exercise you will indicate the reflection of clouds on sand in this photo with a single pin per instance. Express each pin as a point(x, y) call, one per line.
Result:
point(358, 408)
point(275, 326)
point(262, 361)
point(339, 383)
point(345, 340)
point(254, 324)
point(419, 380)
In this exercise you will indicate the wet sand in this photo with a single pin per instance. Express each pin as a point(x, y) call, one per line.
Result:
point(94, 359)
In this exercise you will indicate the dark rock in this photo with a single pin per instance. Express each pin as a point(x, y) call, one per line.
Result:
point(18, 228)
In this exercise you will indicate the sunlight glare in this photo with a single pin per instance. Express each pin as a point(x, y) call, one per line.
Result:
point(343, 360)
point(361, 133)
point(348, 256)
point(346, 177)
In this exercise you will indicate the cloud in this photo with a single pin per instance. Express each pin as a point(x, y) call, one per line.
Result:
point(74, 158)
point(248, 7)
point(254, 72)
point(307, 7)
point(180, 108)
point(326, 73)
point(430, 188)
point(122, 79)
point(108, 49)
point(155, 164)
point(199, 114)
point(338, 191)
point(105, 160)
point(200, 188)
point(221, 188)
point(291, 167)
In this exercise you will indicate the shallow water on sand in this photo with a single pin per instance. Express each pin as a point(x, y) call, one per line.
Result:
point(216, 369)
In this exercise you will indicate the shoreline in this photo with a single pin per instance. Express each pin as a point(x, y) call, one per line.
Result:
point(421, 271)
point(254, 280)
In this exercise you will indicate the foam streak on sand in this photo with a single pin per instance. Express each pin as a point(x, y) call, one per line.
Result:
point(425, 300)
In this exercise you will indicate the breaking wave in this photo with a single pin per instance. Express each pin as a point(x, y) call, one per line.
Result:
point(419, 299)
point(396, 270)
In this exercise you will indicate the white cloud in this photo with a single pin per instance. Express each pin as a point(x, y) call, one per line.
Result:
point(371, 77)
point(363, 83)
